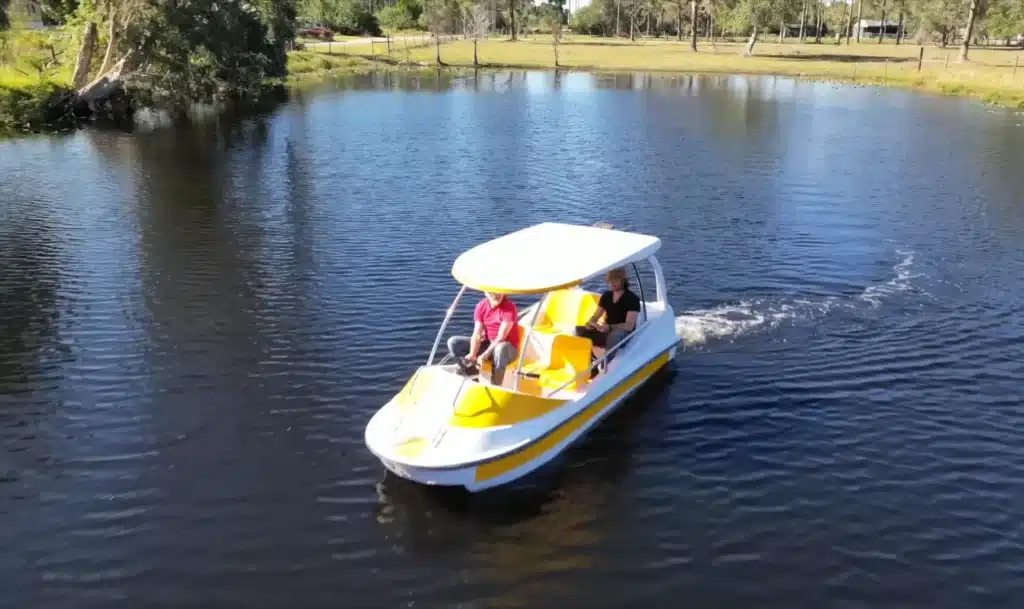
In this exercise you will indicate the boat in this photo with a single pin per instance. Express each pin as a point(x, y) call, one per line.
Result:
point(450, 427)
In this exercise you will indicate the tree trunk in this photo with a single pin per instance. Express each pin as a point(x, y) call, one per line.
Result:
point(782, 31)
point(970, 30)
point(860, 17)
point(632, 22)
point(803, 21)
point(693, 25)
point(106, 84)
point(679, 22)
point(437, 48)
point(648, 24)
point(108, 57)
point(475, 62)
point(817, 21)
point(881, 32)
point(618, 12)
point(512, 12)
point(711, 29)
point(899, 27)
point(751, 42)
point(554, 46)
point(85, 52)
point(849, 25)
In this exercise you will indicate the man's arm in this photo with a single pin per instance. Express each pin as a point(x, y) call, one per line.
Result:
point(629, 324)
point(474, 341)
point(598, 314)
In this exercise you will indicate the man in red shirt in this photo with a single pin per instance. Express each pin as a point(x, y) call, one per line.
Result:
point(495, 335)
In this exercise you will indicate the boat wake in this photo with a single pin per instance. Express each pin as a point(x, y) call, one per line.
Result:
point(730, 321)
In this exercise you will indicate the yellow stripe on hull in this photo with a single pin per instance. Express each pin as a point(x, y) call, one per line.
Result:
point(501, 466)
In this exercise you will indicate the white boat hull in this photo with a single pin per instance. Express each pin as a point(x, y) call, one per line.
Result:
point(467, 477)
point(480, 459)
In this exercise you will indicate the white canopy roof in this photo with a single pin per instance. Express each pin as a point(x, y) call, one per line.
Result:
point(549, 256)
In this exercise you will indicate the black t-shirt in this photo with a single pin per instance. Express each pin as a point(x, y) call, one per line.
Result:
point(615, 312)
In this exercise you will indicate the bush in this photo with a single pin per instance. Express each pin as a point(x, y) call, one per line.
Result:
point(38, 107)
point(587, 20)
point(353, 19)
point(397, 17)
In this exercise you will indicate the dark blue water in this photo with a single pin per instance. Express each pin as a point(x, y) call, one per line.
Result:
point(196, 324)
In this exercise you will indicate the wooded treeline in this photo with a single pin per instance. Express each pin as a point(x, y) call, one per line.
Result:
point(941, 21)
point(165, 53)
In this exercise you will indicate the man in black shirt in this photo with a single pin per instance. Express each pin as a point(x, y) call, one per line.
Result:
point(619, 307)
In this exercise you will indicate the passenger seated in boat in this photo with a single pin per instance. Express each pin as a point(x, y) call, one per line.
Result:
point(495, 336)
point(619, 307)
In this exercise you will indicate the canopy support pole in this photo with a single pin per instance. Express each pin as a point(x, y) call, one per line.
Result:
point(640, 286)
point(525, 341)
point(444, 324)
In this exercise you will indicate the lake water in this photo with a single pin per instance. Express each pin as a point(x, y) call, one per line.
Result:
point(196, 325)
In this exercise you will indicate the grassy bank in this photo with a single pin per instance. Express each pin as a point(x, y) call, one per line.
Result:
point(989, 75)
point(310, 65)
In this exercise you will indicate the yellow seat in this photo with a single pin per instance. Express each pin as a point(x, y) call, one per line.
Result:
point(566, 309)
point(570, 358)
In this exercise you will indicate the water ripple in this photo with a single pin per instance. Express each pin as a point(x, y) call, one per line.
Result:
point(196, 324)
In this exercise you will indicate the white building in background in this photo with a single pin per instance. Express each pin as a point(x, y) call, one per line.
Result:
point(26, 14)
point(872, 28)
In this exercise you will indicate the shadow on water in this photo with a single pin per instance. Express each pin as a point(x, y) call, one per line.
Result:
point(841, 58)
point(571, 487)
point(29, 317)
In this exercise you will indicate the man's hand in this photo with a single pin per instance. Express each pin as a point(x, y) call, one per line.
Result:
point(602, 327)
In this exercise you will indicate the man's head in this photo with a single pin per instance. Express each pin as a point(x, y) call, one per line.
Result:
point(616, 279)
point(494, 298)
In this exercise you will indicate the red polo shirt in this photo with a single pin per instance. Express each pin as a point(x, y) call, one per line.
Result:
point(491, 318)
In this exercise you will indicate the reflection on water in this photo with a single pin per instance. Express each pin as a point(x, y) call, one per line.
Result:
point(197, 322)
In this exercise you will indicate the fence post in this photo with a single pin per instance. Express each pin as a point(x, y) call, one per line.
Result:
point(946, 65)
point(920, 58)
point(1016, 60)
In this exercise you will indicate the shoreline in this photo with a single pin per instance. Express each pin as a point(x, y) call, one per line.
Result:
point(999, 85)
point(33, 109)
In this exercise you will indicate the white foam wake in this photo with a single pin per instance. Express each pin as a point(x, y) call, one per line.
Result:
point(901, 282)
point(730, 321)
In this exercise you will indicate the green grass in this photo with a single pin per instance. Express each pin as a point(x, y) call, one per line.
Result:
point(988, 75)
point(303, 64)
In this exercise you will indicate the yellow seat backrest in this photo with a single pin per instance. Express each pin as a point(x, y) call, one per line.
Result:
point(566, 309)
point(570, 357)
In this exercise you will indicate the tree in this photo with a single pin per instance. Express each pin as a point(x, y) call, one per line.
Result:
point(969, 31)
point(940, 17)
point(512, 14)
point(57, 12)
point(171, 54)
point(680, 4)
point(860, 18)
point(849, 24)
point(881, 33)
point(478, 23)
point(1005, 19)
point(803, 21)
point(554, 18)
point(440, 17)
point(588, 20)
point(693, 25)
point(758, 14)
